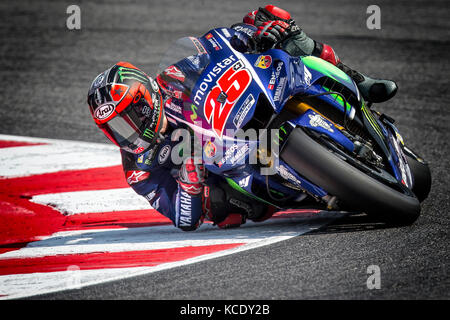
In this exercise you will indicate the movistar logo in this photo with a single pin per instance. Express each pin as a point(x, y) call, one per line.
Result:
point(132, 74)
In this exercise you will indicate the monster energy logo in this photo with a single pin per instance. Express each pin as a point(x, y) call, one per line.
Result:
point(133, 74)
point(280, 138)
point(148, 133)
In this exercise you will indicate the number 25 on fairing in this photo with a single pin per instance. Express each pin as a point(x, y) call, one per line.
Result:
point(221, 99)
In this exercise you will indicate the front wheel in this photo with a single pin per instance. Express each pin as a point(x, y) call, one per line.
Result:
point(355, 190)
point(421, 174)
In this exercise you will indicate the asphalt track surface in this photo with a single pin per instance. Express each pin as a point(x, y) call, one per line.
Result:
point(47, 69)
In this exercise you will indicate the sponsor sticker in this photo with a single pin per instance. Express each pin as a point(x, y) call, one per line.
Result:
point(195, 60)
point(213, 41)
point(286, 174)
point(234, 154)
point(272, 80)
point(307, 75)
point(134, 177)
point(203, 88)
point(154, 85)
point(210, 149)
point(263, 62)
point(175, 73)
point(150, 156)
point(146, 110)
point(118, 91)
point(173, 106)
point(200, 48)
point(164, 154)
point(98, 80)
point(138, 150)
point(275, 75)
point(243, 110)
point(132, 74)
point(280, 89)
point(317, 121)
point(104, 111)
point(246, 30)
point(226, 33)
point(185, 216)
point(243, 183)
point(151, 195)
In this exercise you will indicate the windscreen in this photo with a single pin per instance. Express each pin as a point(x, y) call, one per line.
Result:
point(181, 49)
point(181, 65)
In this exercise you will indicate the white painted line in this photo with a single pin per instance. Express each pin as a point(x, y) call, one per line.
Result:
point(56, 141)
point(54, 157)
point(26, 285)
point(150, 238)
point(122, 199)
point(73, 155)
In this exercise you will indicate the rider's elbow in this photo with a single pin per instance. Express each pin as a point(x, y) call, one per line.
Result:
point(191, 227)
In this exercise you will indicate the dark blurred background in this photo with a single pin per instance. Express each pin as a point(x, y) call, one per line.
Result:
point(47, 69)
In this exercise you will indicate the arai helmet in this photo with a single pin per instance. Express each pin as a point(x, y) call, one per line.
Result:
point(127, 106)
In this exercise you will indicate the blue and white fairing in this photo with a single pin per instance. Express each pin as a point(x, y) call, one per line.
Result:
point(241, 82)
point(223, 87)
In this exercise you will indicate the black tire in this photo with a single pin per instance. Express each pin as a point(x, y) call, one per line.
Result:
point(421, 174)
point(355, 190)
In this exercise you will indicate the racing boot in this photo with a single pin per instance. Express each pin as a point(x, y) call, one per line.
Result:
point(233, 220)
point(228, 208)
point(372, 90)
point(266, 214)
point(221, 208)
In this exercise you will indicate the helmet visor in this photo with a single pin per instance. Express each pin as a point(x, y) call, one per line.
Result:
point(120, 131)
point(136, 128)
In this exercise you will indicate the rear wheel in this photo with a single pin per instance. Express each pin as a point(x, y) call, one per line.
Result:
point(355, 190)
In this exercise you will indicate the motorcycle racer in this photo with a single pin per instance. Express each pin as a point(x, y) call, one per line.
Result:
point(128, 106)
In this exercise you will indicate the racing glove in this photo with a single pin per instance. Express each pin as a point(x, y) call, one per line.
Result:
point(191, 177)
point(273, 33)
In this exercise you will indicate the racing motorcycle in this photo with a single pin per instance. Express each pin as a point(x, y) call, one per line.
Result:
point(323, 146)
